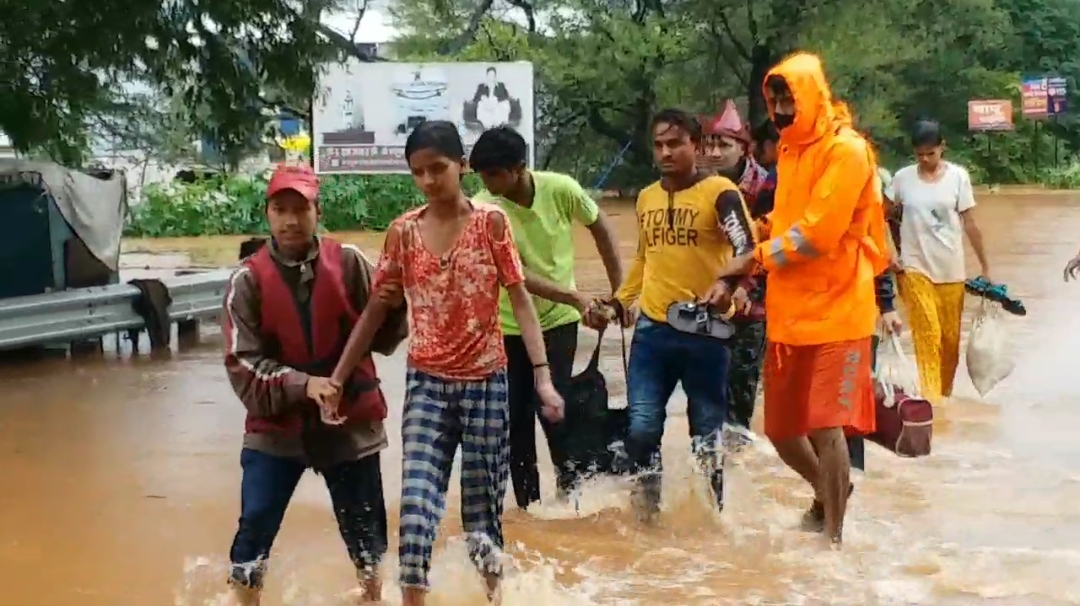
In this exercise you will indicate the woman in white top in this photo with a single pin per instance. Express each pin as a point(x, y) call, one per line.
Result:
point(938, 209)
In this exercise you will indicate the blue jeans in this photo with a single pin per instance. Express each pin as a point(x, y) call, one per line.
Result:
point(267, 487)
point(661, 358)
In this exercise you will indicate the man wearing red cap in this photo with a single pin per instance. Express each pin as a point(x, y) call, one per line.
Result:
point(727, 151)
point(288, 313)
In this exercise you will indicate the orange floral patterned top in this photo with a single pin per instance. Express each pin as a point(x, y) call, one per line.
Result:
point(453, 299)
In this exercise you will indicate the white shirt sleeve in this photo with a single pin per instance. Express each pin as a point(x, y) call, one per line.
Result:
point(886, 183)
point(965, 196)
point(899, 183)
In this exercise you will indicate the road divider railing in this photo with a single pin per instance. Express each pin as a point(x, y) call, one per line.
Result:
point(84, 314)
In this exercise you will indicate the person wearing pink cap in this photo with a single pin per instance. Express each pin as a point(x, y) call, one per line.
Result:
point(727, 151)
point(288, 312)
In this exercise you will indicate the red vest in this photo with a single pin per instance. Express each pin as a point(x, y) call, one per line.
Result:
point(332, 319)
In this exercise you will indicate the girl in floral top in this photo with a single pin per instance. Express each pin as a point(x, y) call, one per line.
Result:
point(450, 257)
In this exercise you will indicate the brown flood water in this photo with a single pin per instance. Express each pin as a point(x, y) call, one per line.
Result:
point(121, 481)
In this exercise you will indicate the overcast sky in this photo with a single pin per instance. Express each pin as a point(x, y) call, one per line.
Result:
point(374, 27)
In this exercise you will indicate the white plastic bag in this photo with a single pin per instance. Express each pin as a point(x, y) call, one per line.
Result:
point(988, 357)
point(894, 370)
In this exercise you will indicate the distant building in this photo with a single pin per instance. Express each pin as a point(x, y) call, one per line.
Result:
point(371, 49)
point(6, 150)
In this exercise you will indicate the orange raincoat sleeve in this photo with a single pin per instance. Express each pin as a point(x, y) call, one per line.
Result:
point(828, 213)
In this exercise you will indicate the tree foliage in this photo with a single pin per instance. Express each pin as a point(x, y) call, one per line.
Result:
point(67, 64)
point(604, 66)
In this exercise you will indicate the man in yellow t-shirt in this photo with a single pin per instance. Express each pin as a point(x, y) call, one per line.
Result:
point(542, 208)
point(690, 225)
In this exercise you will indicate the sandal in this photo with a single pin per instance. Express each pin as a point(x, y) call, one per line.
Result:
point(998, 293)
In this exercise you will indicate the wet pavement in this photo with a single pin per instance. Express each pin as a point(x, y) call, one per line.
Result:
point(120, 480)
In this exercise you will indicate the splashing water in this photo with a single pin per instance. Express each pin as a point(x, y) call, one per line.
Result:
point(116, 470)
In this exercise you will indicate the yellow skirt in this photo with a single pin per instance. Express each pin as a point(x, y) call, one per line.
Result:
point(934, 313)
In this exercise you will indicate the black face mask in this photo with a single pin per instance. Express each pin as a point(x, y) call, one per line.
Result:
point(782, 121)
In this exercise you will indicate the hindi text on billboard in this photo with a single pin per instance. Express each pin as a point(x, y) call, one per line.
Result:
point(990, 115)
point(364, 112)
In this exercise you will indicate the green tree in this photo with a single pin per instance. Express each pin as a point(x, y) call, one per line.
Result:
point(228, 61)
point(604, 66)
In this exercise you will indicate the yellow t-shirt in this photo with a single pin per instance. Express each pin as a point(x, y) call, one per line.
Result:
point(682, 244)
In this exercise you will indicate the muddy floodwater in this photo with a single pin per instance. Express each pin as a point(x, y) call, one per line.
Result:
point(119, 479)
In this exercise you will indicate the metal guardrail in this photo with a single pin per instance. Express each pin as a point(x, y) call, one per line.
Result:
point(89, 313)
point(197, 296)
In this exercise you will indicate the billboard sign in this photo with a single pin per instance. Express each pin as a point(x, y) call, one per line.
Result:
point(1057, 95)
point(990, 115)
point(364, 112)
point(1044, 96)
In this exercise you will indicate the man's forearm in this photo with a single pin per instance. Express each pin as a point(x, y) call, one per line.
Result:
point(608, 251)
point(546, 289)
point(630, 289)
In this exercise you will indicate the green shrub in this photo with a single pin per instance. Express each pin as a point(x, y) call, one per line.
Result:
point(1062, 177)
point(236, 205)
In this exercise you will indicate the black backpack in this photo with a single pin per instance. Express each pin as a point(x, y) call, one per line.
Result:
point(594, 433)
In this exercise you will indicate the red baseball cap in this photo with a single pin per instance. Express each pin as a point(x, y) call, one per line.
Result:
point(300, 178)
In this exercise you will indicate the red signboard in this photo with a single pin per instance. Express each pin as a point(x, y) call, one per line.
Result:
point(990, 115)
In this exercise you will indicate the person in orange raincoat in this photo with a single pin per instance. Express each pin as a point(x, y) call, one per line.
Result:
point(827, 244)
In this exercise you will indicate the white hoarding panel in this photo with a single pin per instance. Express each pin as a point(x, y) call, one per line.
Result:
point(365, 111)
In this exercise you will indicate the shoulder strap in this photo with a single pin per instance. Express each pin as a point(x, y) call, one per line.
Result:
point(594, 361)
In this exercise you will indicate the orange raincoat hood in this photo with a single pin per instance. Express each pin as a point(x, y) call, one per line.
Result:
point(827, 227)
point(815, 111)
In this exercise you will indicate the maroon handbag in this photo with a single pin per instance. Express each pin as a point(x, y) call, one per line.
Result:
point(905, 423)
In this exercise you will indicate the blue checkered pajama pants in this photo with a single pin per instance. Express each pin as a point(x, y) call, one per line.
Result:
point(440, 414)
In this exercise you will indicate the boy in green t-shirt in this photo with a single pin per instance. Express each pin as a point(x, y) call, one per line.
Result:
point(542, 208)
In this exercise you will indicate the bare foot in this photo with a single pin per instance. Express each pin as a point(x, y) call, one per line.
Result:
point(494, 595)
point(245, 596)
point(413, 596)
point(813, 519)
point(370, 591)
point(645, 500)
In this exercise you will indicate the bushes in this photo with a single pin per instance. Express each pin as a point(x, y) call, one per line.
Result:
point(236, 205)
point(1062, 177)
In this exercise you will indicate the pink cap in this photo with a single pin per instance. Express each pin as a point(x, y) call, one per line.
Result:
point(728, 124)
point(300, 178)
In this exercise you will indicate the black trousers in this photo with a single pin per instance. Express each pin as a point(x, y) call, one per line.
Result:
point(747, 348)
point(561, 345)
